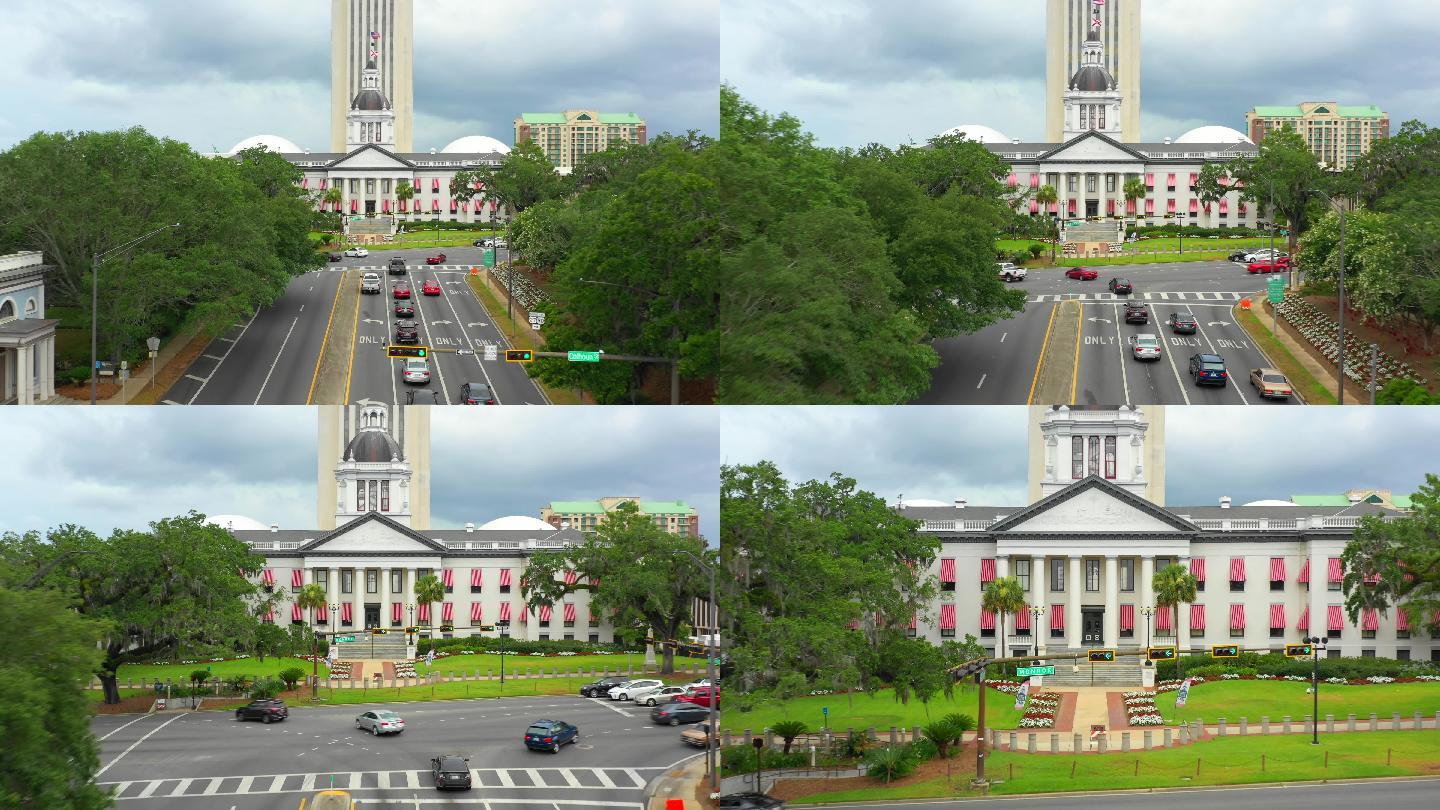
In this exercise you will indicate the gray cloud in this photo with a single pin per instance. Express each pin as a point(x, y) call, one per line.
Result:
point(860, 71)
point(125, 467)
point(213, 73)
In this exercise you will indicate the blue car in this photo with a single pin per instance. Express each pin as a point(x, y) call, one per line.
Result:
point(1208, 369)
point(549, 735)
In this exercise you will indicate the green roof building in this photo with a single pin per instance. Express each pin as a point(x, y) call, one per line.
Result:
point(1375, 497)
point(1338, 134)
point(676, 517)
point(568, 136)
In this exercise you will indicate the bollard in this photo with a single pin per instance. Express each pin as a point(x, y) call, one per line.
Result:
point(1125, 741)
point(1395, 721)
point(1350, 722)
point(1031, 735)
point(1222, 727)
point(1244, 726)
point(1286, 721)
point(1329, 723)
point(892, 735)
point(1374, 722)
point(1167, 736)
point(1309, 724)
point(1149, 741)
point(1185, 734)
point(1054, 743)
point(1418, 717)
point(1101, 741)
point(1264, 724)
point(725, 739)
point(1079, 744)
point(1012, 741)
point(1437, 721)
point(747, 738)
point(769, 739)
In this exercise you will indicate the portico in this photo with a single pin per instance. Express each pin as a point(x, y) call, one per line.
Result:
point(27, 338)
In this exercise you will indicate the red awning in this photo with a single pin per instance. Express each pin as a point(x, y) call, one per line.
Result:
point(504, 611)
point(1277, 616)
point(1237, 617)
point(914, 621)
point(345, 614)
point(1127, 617)
point(504, 577)
point(324, 183)
point(569, 612)
point(1335, 570)
point(296, 614)
point(987, 571)
point(267, 576)
point(1169, 206)
point(1277, 569)
point(1197, 617)
point(416, 185)
point(297, 578)
point(947, 617)
point(1335, 618)
point(396, 612)
point(1022, 619)
point(947, 570)
point(1194, 206)
point(1054, 208)
point(1194, 177)
point(1012, 181)
point(571, 577)
point(386, 208)
point(1057, 617)
point(447, 612)
point(454, 206)
point(1225, 209)
point(1372, 579)
point(1162, 618)
point(1304, 571)
point(1197, 568)
point(404, 206)
point(1170, 181)
point(435, 206)
point(1237, 569)
point(1034, 180)
point(987, 620)
point(270, 616)
point(447, 577)
point(354, 206)
point(424, 611)
point(1129, 206)
point(1072, 206)
point(305, 182)
point(477, 577)
point(435, 186)
point(1110, 207)
point(1304, 622)
point(1150, 181)
point(523, 611)
point(1242, 206)
point(477, 613)
point(1224, 181)
point(465, 206)
point(1034, 207)
point(1149, 206)
point(1369, 619)
point(1402, 622)
point(494, 204)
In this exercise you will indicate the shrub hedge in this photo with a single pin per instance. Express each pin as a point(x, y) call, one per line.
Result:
point(1195, 230)
point(1277, 664)
point(510, 645)
point(738, 759)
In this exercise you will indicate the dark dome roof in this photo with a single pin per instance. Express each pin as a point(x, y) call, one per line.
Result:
point(370, 99)
point(1091, 78)
point(372, 446)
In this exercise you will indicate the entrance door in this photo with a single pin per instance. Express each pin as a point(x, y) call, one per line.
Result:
point(370, 208)
point(1091, 624)
point(1092, 208)
point(372, 616)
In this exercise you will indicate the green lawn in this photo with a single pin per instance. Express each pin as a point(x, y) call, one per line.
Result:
point(1227, 761)
point(98, 695)
point(881, 711)
point(1162, 258)
point(1253, 699)
point(517, 663)
point(148, 673)
point(449, 691)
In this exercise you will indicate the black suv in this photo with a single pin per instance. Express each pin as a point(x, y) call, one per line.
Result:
point(1182, 323)
point(1121, 286)
point(1208, 368)
point(750, 801)
point(405, 332)
point(601, 687)
point(266, 711)
point(450, 771)
point(396, 267)
point(1136, 312)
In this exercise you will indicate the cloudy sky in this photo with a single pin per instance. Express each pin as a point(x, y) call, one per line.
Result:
point(212, 73)
point(978, 453)
point(863, 71)
point(125, 467)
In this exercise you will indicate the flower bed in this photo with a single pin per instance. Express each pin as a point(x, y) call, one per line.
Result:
point(1321, 332)
point(1171, 685)
point(1140, 709)
point(1040, 710)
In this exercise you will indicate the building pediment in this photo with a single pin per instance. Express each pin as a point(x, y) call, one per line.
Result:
point(1093, 506)
point(1093, 146)
point(371, 156)
point(373, 533)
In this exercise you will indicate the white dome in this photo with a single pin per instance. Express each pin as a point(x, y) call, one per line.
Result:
point(1213, 134)
point(273, 143)
point(518, 523)
point(978, 132)
point(1270, 502)
point(476, 144)
point(236, 523)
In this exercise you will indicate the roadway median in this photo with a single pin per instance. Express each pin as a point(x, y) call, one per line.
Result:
point(1058, 366)
point(327, 386)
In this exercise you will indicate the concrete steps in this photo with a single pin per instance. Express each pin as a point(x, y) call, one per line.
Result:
point(389, 647)
point(1118, 674)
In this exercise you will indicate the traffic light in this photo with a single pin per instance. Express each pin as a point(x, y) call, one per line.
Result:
point(378, 631)
point(1224, 651)
point(969, 668)
point(485, 628)
point(447, 628)
point(519, 356)
point(415, 629)
point(1161, 653)
point(503, 623)
point(420, 352)
point(1102, 656)
point(1299, 650)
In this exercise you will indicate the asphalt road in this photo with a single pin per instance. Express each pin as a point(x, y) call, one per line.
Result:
point(209, 761)
point(271, 359)
point(997, 365)
point(1409, 793)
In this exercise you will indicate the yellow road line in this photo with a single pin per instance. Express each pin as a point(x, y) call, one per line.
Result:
point(354, 338)
point(1079, 338)
point(324, 342)
point(1030, 400)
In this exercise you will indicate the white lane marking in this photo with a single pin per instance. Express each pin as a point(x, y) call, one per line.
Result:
point(201, 380)
point(1120, 339)
point(420, 311)
point(309, 783)
point(1003, 336)
point(478, 354)
point(214, 786)
point(136, 744)
point(273, 363)
point(982, 380)
point(183, 786)
point(122, 728)
point(1168, 352)
point(604, 779)
point(606, 703)
point(212, 356)
point(216, 370)
point(630, 772)
point(149, 789)
point(245, 784)
point(569, 777)
point(505, 780)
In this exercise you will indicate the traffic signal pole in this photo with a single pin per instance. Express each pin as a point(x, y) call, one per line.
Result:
point(980, 731)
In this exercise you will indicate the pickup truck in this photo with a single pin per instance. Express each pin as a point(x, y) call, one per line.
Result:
point(1009, 272)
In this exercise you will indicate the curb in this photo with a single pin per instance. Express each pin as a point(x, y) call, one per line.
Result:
point(685, 779)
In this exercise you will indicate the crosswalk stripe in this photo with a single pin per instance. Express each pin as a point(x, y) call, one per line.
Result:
point(569, 777)
point(149, 789)
point(630, 772)
point(245, 784)
point(384, 780)
point(410, 781)
point(604, 778)
point(182, 787)
point(535, 778)
point(213, 786)
point(309, 783)
point(505, 780)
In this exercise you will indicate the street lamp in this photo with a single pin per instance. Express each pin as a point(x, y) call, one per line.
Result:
point(711, 652)
point(1036, 611)
point(1340, 348)
point(504, 626)
point(95, 262)
point(1316, 645)
point(1148, 612)
point(674, 333)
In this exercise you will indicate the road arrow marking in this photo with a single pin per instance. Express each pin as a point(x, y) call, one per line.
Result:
point(1217, 323)
point(1099, 320)
point(370, 320)
point(477, 323)
point(437, 323)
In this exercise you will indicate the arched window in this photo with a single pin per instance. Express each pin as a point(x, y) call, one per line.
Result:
point(32, 308)
point(7, 310)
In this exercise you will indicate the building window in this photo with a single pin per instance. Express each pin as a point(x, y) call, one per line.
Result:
point(1237, 632)
point(1127, 574)
point(1094, 466)
point(347, 580)
point(1333, 652)
point(359, 496)
point(1092, 575)
point(1110, 182)
point(384, 496)
point(1332, 634)
point(594, 620)
point(354, 186)
point(397, 581)
point(1277, 632)
point(569, 624)
point(370, 184)
point(372, 581)
point(569, 636)
point(1071, 182)
point(544, 622)
point(1057, 574)
point(1237, 585)
point(594, 638)
point(1402, 633)
point(1161, 562)
point(374, 494)
point(544, 636)
point(1277, 584)
point(1333, 586)
point(504, 588)
point(1057, 633)
point(1084, 116)
point(1110, 457)
point(1199, 586)
point(1367, 653)
point(1127, 633)
point(1090, 183)
point(385, 184)
point(947, 586)
point(910, 632)
point(1102, 116)
point(1402, 654)
point(1367, 634)
point(1197, 632)
point(990, 633)
point(1022, 574)
point(322, 578)
point(1077, 457)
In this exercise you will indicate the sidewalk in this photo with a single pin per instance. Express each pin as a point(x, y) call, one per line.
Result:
point(683, 787)
point(140, 374)
point(1303, 352)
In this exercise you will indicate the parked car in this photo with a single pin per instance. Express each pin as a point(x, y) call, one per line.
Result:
point(423, 396)
point(380, 721)
point(1270, 382)
point(438, 258)
point(1136, 312)
point(333, 257)
point(664, 694)
point(370, 283)
point(396, 266)
point(677, 712)
point(417, 371)
point(594, 688)
point(266, 711)
point(1239, 255)
point(357, 253)
point(1208, 369)
point(1146, 347)
point(628, 689)
point(549, 735)
point(430, 287)
point(1263, 254)
point(1082, 273)
point(1009, 272)
point(402, 290)
point(1121, 286)
point(750, 801)
point(478, 393)
point(404, 309)
point(1182, 323)
point(481, 243)
point(406, 332)
point(451, 772)
point(500, 243)
point(698, 735)
point(701, 696)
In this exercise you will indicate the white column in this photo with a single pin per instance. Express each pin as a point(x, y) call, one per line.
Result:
point(1319, 590)
point(50, 368)
point(410, 575)
point(1039, 629)
point(24, 373)
point(1112, 601)
point(358, 580)
point(1072, 608)
point(1146, 590)
point(384, 596)
point(1002, 565)
point(332, 592)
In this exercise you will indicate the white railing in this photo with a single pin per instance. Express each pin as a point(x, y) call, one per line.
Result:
point(979, 525)
point(1339, 522)
point(272, 545)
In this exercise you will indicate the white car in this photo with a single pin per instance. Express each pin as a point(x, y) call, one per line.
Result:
point(370, 283)
point(501, 243)
point(1010, 272)
point(626, 691)
point(1264, 255)
point(701, 682)
point(1147, 347)
point(417, 371)
point(357, 253)
point(664, 694)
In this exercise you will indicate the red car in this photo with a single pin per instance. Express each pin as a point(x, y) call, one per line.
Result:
point(430, 287)
point(701, 696)
point(438, 258)
point(1082, 273)
point(1278, 266)
point(402, 290)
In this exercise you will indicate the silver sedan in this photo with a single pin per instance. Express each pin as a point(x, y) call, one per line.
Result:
point(664, 694)
point(380, 722)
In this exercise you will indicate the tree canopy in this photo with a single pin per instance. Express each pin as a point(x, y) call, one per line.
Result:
point(1395, 564)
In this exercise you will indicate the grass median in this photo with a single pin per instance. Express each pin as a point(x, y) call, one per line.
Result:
point(454, 690)
point(881, 710)
point(1309, 386)
point(520, 337)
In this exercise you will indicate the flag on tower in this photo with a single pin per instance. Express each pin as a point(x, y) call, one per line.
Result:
point(376, 34)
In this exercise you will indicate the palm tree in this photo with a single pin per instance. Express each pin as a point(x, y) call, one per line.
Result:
point(428, 591)
point(1003, 596)
point(334, 196)
point(788, 730)
point(1174, 585)
point(404, 193)
point(1047, 196)
point(312, 597)
point(1134, 192)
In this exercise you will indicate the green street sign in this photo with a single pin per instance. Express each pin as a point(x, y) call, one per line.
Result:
point(1275, 287)
point(1025, 672)
point(344, 638)
point(583, 357)
point(489, 260)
